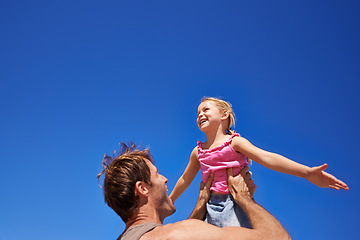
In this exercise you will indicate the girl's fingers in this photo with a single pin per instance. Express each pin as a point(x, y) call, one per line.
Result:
point(334, 187)
point(322, 167)
point(342, 186)
point(339, 183)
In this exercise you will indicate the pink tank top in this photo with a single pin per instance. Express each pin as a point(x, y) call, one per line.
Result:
point(217, 160)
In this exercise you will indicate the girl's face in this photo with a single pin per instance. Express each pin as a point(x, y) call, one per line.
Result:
point(208, 115)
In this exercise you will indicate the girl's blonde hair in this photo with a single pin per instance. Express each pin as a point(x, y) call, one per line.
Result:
point(223, 106)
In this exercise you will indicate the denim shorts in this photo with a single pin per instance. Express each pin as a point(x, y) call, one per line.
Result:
point(222, 211)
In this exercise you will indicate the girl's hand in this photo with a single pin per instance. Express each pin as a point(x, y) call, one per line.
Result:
point(320, 178)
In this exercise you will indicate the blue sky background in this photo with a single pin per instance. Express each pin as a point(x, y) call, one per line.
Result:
point(78, 77)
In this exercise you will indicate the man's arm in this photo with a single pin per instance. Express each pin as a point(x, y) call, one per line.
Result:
point(242, 189)
point(265, 226)
point(199, 211)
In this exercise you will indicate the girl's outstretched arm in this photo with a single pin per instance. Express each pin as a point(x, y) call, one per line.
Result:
point(187, 177)
point(279, 163)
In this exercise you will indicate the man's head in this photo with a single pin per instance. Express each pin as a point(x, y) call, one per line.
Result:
point(126, 175)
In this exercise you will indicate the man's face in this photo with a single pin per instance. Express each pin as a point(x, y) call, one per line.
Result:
point(158, 193)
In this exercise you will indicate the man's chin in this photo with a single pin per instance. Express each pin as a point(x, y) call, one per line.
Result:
point(173, 210)
point(170, 212)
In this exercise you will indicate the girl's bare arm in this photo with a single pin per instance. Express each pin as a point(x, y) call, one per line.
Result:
point(187, 177)
point(279, 163)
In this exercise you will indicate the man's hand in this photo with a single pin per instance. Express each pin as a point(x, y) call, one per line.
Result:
point(199, 211)
point(241, 183)
point(264, 225)
point(204, 193)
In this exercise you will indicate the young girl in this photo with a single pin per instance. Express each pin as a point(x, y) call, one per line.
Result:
point(226, 149)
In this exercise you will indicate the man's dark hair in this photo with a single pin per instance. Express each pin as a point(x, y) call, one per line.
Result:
point(122, 171)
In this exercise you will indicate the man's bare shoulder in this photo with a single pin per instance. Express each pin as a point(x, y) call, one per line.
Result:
point(174, 231)
point(190, 229)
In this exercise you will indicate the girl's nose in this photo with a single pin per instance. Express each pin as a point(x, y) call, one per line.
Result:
point(200, 115)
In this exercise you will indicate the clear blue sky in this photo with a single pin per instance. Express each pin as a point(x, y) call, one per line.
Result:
point(78, 77)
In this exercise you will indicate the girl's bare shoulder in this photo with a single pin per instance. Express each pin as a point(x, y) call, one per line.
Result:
point(238, 142)
point(194, 152)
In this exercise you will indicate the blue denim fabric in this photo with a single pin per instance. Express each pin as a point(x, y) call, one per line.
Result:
point(222, 211)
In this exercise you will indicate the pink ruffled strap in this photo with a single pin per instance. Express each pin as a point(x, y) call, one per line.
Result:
point(199, 143)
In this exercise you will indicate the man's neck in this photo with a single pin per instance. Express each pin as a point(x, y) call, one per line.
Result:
point(144, 216)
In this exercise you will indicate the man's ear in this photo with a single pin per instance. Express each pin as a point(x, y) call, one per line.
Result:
point(141, 188)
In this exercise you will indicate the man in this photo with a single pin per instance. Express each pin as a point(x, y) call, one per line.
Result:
point(136, 191)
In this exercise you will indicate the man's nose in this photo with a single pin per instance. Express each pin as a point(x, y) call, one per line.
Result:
point(166, 180)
